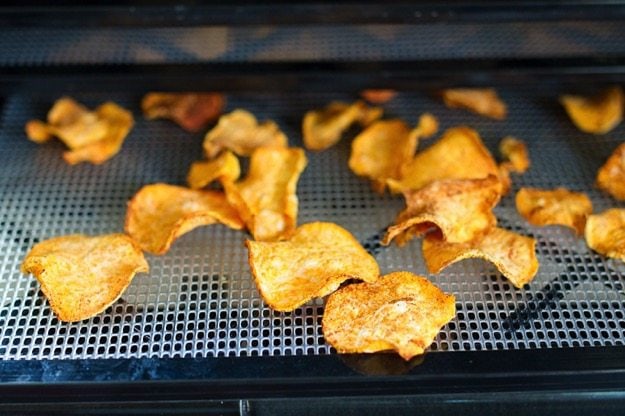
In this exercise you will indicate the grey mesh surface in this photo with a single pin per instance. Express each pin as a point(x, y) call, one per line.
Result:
point(199, 299)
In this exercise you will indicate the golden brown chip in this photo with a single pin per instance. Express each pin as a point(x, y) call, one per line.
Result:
point(483, 101)
point(400, 311)
point(191, 111)
point(460, 208)
point(266, 198)
point(240, 132)
point(313, 263)
point(82, 276)
point(459, 154)
point(225, 167)
point(598, 114)
point(513, 254)
point(515, 151)
point(378, 96)
point(504, 176)
point(428, 125)
point(554, 207)
point(158, 214)
point(323, 128)
point(605, 233)
point(611, 176)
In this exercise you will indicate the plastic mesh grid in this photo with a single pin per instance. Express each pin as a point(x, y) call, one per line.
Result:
point(199, 299)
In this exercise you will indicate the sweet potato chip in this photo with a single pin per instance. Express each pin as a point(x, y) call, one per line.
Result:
point(400, 311)
point(483, 101)
point(82, 276)
point(513, 254)
point(240, 132)
point(611, 176)
point(313, 263)
point(378, 96)
point(225, 167)
point(323, 128)
point(266, 198)
point(459, 154)
point(605, 233)
point(598, 114)
point(554, 207)
point(191, 111)
point(158, 214)
point(460, 208)
point(515, 151)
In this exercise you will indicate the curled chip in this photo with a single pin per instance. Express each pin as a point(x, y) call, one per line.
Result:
point(378, 96)
point(191, 111)
point(225, 167)
point(605, 233)
point(611, 176)
point(504, 176)
point(459, 154)
point(313, 263)
point(266, 199)
point(160, 213)
point(554, 207)
point(400, 311)
point(82, 276)
point(598, 114)
point(323, 128)
point(240, 132)
point(513, 254)
point(515, 152)
point(483, 101)
point(91, 136)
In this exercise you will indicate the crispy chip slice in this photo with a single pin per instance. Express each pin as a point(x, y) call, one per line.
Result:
point(459, 154)
point(598, 114)
point(191, 111)
point(513, 254)
point(554, 207)
point(515, 151)
point(158, 214)
point(611, 176)
point(240, 132)
point(400, 311)
point(82, 276)
point(378, 96)
point(312, 264)
point(504, 176)
point(323, 128)
point(460, 208)
point(605, 233)
point(225, 167)
point(483, 101)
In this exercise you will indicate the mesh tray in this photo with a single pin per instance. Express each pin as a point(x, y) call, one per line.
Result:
point(199, 299)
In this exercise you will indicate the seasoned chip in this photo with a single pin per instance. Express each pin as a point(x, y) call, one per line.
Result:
point(483, 101)
point(240, 132)
point(460, 208)
point(611, 176)
point(513, 254)
point(160, 213)
point(515, 151)
point(605, 233)
point(191, 111)
point(82, 276)
point(554, 207)
point(504, 176)
point(225, 166)
point(313, 263)
point(598, 114)
point(323, 128)
point(378, 96)
point(400, 311)
point(459, 154)
point(266, 198)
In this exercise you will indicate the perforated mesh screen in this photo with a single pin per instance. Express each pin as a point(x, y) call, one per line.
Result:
point(199, 299)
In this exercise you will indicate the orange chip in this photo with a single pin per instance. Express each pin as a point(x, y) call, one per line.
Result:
point(323, 128)
point(483, 101)
point(191, 111)
point(460, 208)
point(400, 311)
point(82, 276)
point(605, 233)
point(459, 154)
point(515, 151)
point(554, 207)
point(240, 132)
point(504, 176)
point(158, 214)
point(611, 176)
point(378, 96)
point(266, 199)
point(598, 114)
point(313, 263)
point(225, 167)
point(513, 254)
